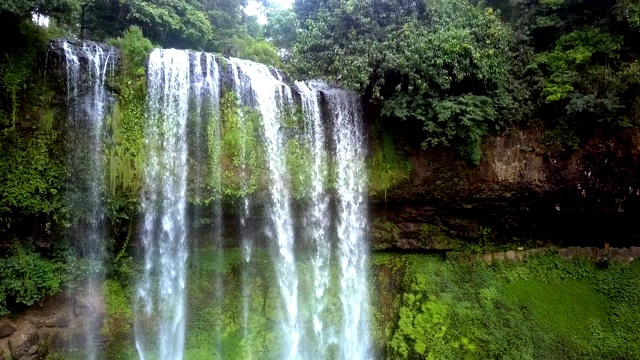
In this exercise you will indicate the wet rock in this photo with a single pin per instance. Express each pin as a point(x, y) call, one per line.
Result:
point(6, 329)
point(80, 307)
point(60, 321)
point(24, 342)
point(58, 340)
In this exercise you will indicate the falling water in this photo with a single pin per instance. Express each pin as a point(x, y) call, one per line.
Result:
point(206, 91)
point(270, 94)
point(89, 103)
point(246, 238)
point(348, 136)
point(317, 217)
point(161, 291)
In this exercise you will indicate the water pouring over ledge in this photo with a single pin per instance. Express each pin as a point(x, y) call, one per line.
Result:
point(87, 66)
point(182, 87)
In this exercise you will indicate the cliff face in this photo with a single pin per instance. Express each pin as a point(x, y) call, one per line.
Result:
point(517, 193)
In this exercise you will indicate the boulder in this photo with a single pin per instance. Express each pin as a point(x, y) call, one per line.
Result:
point(24, 342)
point(6, 329)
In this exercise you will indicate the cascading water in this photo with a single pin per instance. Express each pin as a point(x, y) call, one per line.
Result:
point(161, 290)
point(89, 104)
point(348, 136)
point(184, 139)
point(317, 217)
point(270, 96)
point(246, 242)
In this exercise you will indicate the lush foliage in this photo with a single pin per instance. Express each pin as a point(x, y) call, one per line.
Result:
point(545, 308)
point(459, 71)
point(18, 10)
point(588, 69)
point(30, 168)
point(443, 63)
point(29, 276)
point(124, 145)
point(281, 27)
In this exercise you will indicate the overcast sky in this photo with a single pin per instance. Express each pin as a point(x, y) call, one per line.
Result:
point(255, 8)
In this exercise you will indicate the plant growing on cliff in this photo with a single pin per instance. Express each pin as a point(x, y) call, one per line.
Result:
point(125, 141)
point(388, 166)
point(442, 64)
point(27, 277)
point(235, 166)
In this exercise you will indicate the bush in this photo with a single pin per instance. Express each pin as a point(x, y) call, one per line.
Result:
point(27, 277)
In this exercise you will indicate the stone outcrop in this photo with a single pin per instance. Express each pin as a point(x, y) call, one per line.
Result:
point(589, 197)
point(6, 328)
point(623, 255)
point(56, 323)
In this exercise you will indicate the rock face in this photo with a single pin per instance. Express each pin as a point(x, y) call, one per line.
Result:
point(6, 328)
point(623, 255)
point(53, 324)
point(24, 343)
point(587, 198)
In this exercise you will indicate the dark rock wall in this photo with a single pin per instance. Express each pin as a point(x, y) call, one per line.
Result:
point(589, 197)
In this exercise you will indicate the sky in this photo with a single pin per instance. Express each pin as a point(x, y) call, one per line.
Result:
point(254, 8)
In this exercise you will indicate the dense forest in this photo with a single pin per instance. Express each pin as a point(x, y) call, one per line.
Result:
point(434, 73)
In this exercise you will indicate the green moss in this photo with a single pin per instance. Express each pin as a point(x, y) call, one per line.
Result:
point(384, 233)
point(116, 301)
point(546, 308)
point(387, 167)
point(436, 238)
point(300, 165)
point(235, 163)
point(125, 129)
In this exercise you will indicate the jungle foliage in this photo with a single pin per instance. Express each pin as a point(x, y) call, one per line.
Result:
point(546, 308)
point(456, 70)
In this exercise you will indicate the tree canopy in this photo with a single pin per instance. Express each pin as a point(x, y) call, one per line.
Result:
point(443, 72)
point(444, 63)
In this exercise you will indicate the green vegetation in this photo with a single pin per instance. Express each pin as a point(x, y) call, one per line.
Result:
point(125, 142)
point(29, 276)
point(544, 308)
point(240, 153)
point(388, 167)
point(31, 167)
point(443, 63)
point(456, 70)
point(423, 308)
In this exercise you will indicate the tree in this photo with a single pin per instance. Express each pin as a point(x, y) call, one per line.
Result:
point(281, 27)
point(443, 63)
point(172, 23)
point(14, 11)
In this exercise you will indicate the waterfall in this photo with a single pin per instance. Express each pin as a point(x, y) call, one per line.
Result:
point(271, 95)
point(161, 290)
point(181, 135)
point(316, 235)
point(242, 91)
point(317, 217)
point(348, 136)
point(88, 103)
